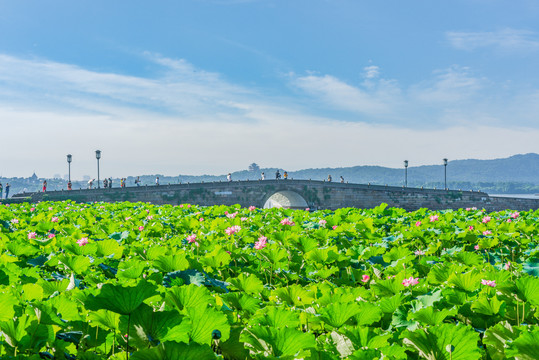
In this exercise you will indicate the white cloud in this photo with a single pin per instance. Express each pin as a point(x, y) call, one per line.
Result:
point(506, 39)
point(190, 121)
point(371, 72)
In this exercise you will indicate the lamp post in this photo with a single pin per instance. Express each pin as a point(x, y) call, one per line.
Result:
point(405, 173)
point(98, 156)
point(445, 174)
point(69, 167)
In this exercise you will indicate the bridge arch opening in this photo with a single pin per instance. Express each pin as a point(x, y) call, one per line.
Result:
point(286, 199)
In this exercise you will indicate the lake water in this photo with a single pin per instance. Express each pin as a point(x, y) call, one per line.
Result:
point(522, 196)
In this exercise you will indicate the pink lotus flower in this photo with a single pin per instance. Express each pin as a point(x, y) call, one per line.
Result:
point(307, 209)
point(191, 238)
point(181, 205)
point(252, 208)
point(509, 220)
point(244, 219)
point(287, 221)
point(334, 227)
point(410, 281)
point(14, 221)
point(507, 266)
point(51, 235)
point(82, 241)
point(50, 208)
point(233, 229)
point(486, 219)
point(261, 243)
point(232, 215)
point(32, 209)
point(141, 228)
point(201, 219)
point(322, 222)
point(515, 215)
point(419, 252)
point(470, 227)
point(188, 206)
point(128, 218)
point(434, 218)
point(54, 219)
point(149, 217)
point(365, 278)
point(468, 209)
point(418, 223)
point(487, 232)
point(476, 247)
point(474, 208)
point(32, 235)
point(491, 283)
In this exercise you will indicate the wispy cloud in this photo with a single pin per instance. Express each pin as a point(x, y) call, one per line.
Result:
point(505, 39)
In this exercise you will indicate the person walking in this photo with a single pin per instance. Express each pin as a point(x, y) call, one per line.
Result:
point(157, 181)
point(137, 181)
point(44, 185)
point(7, 190)
point(285, 175)
point(329, 178)
point(277, 175)
point(262, 176)
point(229, 177)
point(105, 183)
point(110, 182)
point(90, 183)
point(69, 185)
point(342, 180)
point(1, 190)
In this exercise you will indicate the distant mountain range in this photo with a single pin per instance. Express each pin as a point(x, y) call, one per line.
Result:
point(518, 174)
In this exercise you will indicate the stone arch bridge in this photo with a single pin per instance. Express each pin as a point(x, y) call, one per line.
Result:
point(290, 194)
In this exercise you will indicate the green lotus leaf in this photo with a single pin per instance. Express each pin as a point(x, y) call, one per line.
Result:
point(337, 314)
point(497, 339)
point(366, 337)
point(233, 348)
point(156, 251)
point(78, 264)
point(531, 267)
point(250, 284)
point(432, 343)
point(189, 296)
point(343, 344)
point(7, 302)
point(469, 258)
point(148, 328)
point(203, 323)
point(432, 316)
point(293, 295)
point(488, 306)
point(105, 319)
point(31, 292)
point(67, 308)
point(242, 302)
point(130, 269)
point(170, 263)
point(109, 248)
point(121, 299)
point(389, 287)
point(469, 281)
point(272, 316)
point(368, 314)
point(528, 289)
point(217, 259)
point(285, 343)
point(174, 351)
point(21, 249)
point(526, 346)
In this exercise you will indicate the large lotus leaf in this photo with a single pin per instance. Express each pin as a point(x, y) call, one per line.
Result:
point(148, 328)
point(389, 304)
point(7, 302)
point(433, 343)
point(322, 255)
point(204, 321)
point(368, 354)
point(469, 281)
point(78, 264)
point(368, 314)
point(275, 255)
point(431, 316)
point(106, 319)
point(217, 259)
point(272, 316)
point(189, 296)
point(469, 258)
point(389, 287)
point(366, 337)
point(109, 248)
point(119, 236)
point(488, 306)
point(170, 263)
point(400, 319)
point(526, 346)
point(233, 348)
point(154, 252)
point(531, 267)
point(242, 302)
point(174, 351)
point(337, 314)
point(121, 299)
point(394, 352)
point(285, 343)
point(21, 249)
point(429, 299)
point(130, 269)
point(67, 308)
point(251, 284)
point(293, 295)
point(343, 344)
point(306, 244)
point(528, 289)
point(496, 338)
point(31, 292)
point(47, 314)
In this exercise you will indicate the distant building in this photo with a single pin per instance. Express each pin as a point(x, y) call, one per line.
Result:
point(86, 177)
point(34, 176)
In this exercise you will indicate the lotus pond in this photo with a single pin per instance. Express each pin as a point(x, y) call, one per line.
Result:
point(141, 281)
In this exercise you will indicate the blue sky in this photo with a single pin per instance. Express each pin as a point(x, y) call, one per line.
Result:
point(209, 86)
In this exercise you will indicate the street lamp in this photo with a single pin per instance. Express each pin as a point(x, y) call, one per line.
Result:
point(405, 173)
point(69, 167)
point(98, 156)
point(445, 174)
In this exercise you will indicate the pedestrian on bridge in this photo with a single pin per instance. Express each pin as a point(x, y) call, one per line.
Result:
point(157, 181)
point(7, 190)
point(1, 190)
point(44, 185)
point(329, 178)
point(229, 177)
point(277, 175)
point(263, 176)
point(105, 183)
point(342, 180)
point(285, 175)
